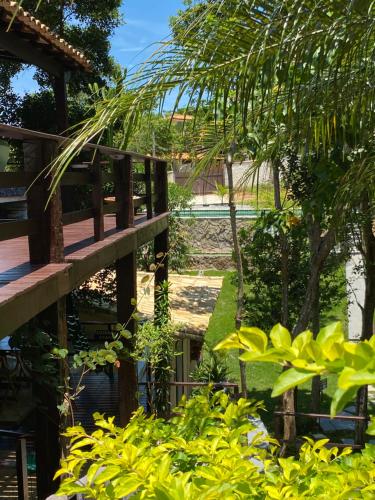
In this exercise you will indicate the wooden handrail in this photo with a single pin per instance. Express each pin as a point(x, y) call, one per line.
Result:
point(319, 415)
point(122, 176)
point(23, 134)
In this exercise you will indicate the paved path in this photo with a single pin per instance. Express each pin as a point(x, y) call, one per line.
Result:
point(192, 298)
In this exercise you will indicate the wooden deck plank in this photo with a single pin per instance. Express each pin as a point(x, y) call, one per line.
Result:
point(27, 289)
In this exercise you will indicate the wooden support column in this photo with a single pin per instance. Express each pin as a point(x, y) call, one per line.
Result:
point(148, 188)
point(126, 283)
point(126, 280)
point(123, 171)
point(161, 187)
point(97, 198)
point(21, 465)
point(48, 244)
point(59, 90)
point(161, 242)
point(47, 418)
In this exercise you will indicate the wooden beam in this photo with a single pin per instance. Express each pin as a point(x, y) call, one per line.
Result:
point(24, 298)
point(20, 48)
point(126, 280)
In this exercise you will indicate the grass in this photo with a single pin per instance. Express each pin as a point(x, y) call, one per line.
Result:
point(261, 376)
point(261, 196)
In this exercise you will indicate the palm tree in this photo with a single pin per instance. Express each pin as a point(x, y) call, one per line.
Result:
point(309, 65)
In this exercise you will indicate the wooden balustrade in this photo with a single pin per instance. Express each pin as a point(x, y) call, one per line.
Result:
point(44, 226)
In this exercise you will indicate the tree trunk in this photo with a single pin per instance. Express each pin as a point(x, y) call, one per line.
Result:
point(314, 237)
point(238, 258)
point(325, 246)
point(288, 398)
point(368, 256)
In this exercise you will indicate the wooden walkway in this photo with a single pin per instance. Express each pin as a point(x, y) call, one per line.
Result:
point(26, 290)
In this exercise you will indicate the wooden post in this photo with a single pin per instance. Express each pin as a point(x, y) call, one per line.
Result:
point(47, 418)
point(126, 278)
point(126, 283)
point(161, 187)
point(21, 464)
point(48, 244)
point(161, 242)
point(148, 188)
point(123, 171)
point(97, 198)
point(59, 89)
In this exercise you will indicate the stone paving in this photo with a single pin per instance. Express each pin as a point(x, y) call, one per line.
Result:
point(192, 298)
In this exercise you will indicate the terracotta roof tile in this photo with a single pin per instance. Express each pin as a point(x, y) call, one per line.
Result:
point(32, 25)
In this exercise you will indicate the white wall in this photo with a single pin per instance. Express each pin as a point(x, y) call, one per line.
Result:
point(356, 295)
point(241, 174)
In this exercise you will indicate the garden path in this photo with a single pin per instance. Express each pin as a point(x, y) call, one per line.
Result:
point(192, 298)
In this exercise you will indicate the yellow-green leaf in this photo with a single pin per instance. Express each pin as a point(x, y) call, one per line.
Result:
point(230, 342)
point(329, 335)
point(253, 339)
point(290, 378)
point(280, 337)
point(108, 473)
point(350, 377)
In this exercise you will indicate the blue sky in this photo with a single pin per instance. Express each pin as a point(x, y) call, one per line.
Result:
point(146, 22)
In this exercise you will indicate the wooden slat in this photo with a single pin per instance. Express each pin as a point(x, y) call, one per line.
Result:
point(76, 179)
point(16, 179)
point(77, 216)
point(15, 229)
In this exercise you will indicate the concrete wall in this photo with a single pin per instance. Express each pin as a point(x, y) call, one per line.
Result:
point(241, 174)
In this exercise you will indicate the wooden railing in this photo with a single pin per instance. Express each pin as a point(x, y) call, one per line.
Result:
point(106, 165)
point(278, 415)
point(23, 483)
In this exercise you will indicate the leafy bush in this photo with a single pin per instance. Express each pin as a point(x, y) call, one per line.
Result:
point(261, 250)
point(203, 452)
point(212, 368)
point(306, 357)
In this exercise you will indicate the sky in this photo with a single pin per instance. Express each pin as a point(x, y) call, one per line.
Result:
point(145, 22)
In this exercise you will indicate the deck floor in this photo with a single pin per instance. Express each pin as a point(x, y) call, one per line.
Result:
point(14, 254)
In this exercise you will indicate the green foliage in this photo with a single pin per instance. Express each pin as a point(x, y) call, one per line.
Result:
point(36, 345)
point(221, 191)
point(261, 251)
point(179, 198)
point(212, 368)
point(155, 345)
point(304, 357)
point(203, 452)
